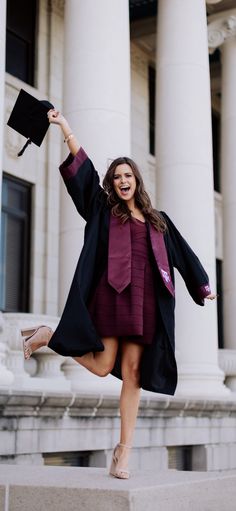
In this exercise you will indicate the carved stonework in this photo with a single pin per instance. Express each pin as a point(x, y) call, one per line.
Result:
point(220, 30)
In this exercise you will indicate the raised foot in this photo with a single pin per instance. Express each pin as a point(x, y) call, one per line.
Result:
point(36, 338)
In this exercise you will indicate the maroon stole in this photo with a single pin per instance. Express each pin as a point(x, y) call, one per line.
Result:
point(119, 255)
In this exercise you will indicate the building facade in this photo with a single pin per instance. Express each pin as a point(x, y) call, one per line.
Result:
point(132, 77)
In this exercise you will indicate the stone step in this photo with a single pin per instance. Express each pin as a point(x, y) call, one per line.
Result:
point(27, 488)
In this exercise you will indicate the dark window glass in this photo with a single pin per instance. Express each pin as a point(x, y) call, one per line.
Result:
point(152, 108)
point(142, 9)
point(214, 57)
point(20, 39)
point(216, 150)
point(180, 457)
point(15, 245)
point(219, 280)
point(67, 459)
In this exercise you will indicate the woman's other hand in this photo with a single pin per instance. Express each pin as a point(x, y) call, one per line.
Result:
point(211, 296)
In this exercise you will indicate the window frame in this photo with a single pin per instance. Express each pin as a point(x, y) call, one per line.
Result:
point(24, 216)
point(13, 32)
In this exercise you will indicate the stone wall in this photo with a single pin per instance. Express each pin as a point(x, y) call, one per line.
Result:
point(36, 425)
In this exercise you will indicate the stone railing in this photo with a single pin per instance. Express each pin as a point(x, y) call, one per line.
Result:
point(46, 370)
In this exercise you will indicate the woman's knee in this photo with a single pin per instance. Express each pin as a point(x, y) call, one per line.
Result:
point(104, 370)
point(131, 371)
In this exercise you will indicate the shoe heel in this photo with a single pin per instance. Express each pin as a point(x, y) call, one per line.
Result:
point(27, 353)
point(27, 331)
point(112, 467)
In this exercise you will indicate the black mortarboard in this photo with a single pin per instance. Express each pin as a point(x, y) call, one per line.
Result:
point(29, 118)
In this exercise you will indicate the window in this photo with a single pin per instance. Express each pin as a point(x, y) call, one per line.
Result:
point(216, 150)
point(152, 108)
point(20, 39)
point(67, 459)
point(15, 245)
point(139, 10)
point(220, 303)
point(180, 457)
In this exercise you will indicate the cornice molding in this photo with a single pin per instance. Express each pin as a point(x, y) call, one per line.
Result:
point(220, 29)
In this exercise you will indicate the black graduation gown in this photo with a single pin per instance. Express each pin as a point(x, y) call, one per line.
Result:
point(76, 334)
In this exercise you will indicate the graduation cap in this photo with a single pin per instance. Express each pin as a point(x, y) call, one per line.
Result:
point(29, 118)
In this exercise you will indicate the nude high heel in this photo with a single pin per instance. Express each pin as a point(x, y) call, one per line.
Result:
point(35, 338)
point(120, 473)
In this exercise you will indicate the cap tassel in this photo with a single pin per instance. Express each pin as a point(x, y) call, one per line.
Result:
point(24, 147)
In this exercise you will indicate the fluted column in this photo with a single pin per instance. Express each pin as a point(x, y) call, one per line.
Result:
point(222, 34)
point(96, 100)
point(185, 177)
point(228, 166)
point(97, 105)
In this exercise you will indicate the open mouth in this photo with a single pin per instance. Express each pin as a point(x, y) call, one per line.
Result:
point(125, 189)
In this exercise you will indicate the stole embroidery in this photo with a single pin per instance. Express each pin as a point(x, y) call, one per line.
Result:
point(165, 275)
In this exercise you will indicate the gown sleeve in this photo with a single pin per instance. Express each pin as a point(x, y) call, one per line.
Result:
point(187, 263)
point(82, 182)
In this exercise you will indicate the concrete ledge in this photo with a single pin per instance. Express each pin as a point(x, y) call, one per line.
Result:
point(92, 489)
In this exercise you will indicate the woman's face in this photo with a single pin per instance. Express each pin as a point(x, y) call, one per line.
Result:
point(124, 182)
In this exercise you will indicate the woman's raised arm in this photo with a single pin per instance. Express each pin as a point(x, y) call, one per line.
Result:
point(55, 117)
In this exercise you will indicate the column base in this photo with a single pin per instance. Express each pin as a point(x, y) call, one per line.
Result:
point(227, 362)
point(194, 381)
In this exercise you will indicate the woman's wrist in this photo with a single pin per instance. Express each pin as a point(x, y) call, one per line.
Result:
point(66, 130)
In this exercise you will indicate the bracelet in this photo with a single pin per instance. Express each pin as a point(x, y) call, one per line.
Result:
point(68, 137)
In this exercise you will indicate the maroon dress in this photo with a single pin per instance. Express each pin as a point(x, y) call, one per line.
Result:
point(131, 314)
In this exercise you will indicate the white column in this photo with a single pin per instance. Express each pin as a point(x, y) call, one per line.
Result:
point(96, 100)
point(185, 178)
point(222, 32)
point(97, 105)
point(228, 166)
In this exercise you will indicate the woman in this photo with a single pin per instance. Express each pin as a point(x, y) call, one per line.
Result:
point(119, 315)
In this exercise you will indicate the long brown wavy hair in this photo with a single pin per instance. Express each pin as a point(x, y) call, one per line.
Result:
point(119, 207)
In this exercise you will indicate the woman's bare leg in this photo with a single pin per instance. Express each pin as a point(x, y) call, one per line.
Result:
point(101, 363)
point(130, 396)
